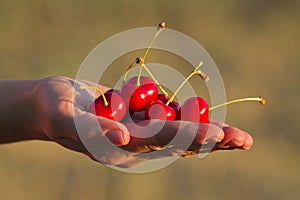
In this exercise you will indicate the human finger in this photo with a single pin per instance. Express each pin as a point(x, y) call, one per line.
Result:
point(90, 125)
point(235, 138)
point(179, 134)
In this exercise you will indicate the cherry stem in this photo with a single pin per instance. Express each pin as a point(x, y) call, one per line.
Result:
point(201, 74)
point(138, 82)
point(127, 70)
point(141, 60)
point(155, 80)
point(195, 71)
point(261, 100)
point(98, 90)
point(161, 26)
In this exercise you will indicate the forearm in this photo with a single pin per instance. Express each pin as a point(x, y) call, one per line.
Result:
point(16, 116)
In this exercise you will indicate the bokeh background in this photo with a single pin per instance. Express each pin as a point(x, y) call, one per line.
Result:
point(256, 46)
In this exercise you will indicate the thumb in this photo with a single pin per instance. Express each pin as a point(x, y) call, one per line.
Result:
point(118, 137)
point(116, 132)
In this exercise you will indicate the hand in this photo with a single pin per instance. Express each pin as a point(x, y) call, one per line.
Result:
point(61, 109)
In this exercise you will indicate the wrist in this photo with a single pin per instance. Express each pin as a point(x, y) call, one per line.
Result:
point(28, 111)
point(17, 114)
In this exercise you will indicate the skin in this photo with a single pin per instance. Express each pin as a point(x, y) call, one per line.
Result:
point(46, 109)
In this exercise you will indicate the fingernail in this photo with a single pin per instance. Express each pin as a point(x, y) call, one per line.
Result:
point(247, 146)
point(219, 139)
point(235, 143)
point(117, 137)
point(126, 138)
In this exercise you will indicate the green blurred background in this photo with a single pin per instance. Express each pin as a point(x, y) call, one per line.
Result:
point(256, 46)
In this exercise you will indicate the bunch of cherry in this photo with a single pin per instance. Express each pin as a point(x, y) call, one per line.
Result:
point(145, 94)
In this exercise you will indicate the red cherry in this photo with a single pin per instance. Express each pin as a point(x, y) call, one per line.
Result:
point(114, 90)
point(158, 110)
point(194, 109)
point(162, 98)
point(176, 107)
point(115, 110)
point(173, 104)
point(139, 97)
